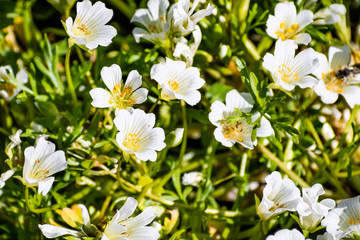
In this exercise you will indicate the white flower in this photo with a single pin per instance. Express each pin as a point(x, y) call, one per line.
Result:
point(120, 96)
point(177, 135)
point(286, 24)
point(5, 176)
point(89, 28)
point(279, 195)
point(344, 220)
point(192, 178)
point(183, 17)
point(153, 20)
point(286, 234)
point(332, 80)
point(228, 133)
point(330, 15)
point(311, 211)
point(177, 81)
point(137, 134)
point(51, 231)
point(124, 228)
point(8, 90)
point(188, 51)
point(288, 70)
point(40, 163)
point(15, 138)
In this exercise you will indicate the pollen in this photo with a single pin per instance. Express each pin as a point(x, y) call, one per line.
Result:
point(173, 85)
point(45, 171)
point(116, 89)
point(354, 221)
point(323, 76)
point(78, 20)
point(84, 29)
point(132, 141)
point(282, 25)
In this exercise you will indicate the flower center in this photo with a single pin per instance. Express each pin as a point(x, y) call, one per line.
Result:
point(38, 173)
point(132, 142)
point(81, 30)
point(234, 131)
point(333, 83)
point(286, 75)
point(121, 97)
point(173, 85)
point(286, 33)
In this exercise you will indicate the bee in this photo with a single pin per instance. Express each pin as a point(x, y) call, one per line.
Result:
point(348, 72)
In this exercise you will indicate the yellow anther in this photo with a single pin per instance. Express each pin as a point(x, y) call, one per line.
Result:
point(126, 91)
point(111, 101)
point(340, 90)
point(282, 36)
point(173, 85)
point(295, 27)
point(116, 89)
point(78, 20)
point(282, 25)
point(45, 171)
point(323, 76)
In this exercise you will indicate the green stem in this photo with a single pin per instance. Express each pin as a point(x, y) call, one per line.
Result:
point(68, 76)
point(184, 141)
point(283, 167)
point(107, 201)
point(154, 105)
point(76, 197)
point(318, 140)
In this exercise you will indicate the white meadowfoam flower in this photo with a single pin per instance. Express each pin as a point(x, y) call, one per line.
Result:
point(229, 133)
point(344, 220)
point(51, 231)
point(311, 212)
point(288, 70)
point(177, 81)
point(183, 17)
point(286, 24)
point(286, 234)
point(188, 50)
point(122, 227)
point(137, 134)
point(330, 15)
point(279, 195)
point(8, 90)
point(192, 178)
point(5, 176)
point(89, 29)
point(332, 77)
point(40, 163)
point(153, 20)
point(120, 95)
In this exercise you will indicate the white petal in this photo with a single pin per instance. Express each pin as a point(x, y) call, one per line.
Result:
point(216, 114)
point(302, 38)
point(139, 96)
point(51, 231)
point(101, 98)
point(285, 12)
point(219, 136)
point(265, 128)
point(307, 82)
point(327, 96)
point(339, 56)
point(304, 18)
point(112, 76)
point(338, 9)
point(143, 219)
point(133, 80)
point(85, 215)
point(352, 95)
point(243, 101)
point(45, 185)
point(141, 233)
point(127, 209)
point(269, 62)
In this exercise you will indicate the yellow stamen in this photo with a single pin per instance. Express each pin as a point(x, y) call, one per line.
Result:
point(323, 76)
point(282, 25)
point(78, 20)
point(295, 27)
point(173, 85)
point(116, 89)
